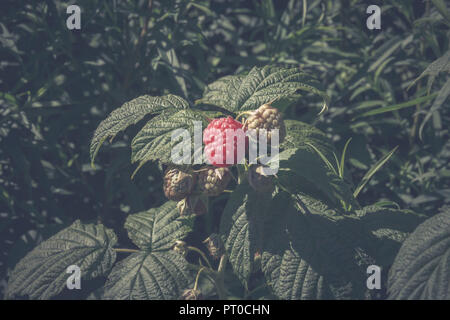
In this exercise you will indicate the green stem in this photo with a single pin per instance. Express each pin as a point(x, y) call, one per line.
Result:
point(220, 285)
point(197, 278)
point(126, 250)
point(251, 292)
point(201, 253)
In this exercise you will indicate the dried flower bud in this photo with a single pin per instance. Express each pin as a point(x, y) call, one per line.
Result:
point(214, 245)
point(193, 204)
point(180, 247)
point(191, 294)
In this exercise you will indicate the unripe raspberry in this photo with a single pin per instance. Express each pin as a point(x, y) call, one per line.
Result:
point(217, 148)
point(268, 118)
point(213, 181)
point(178, 184)
point(259, 181)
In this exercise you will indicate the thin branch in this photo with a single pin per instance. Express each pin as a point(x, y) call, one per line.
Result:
point(201, 253)
point(126, 250)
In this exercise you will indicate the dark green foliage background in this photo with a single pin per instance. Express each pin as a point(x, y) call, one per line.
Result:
point(56, 85)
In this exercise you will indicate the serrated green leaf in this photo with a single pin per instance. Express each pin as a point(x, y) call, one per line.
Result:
point(154, 141)
point(221, 91)
point(148, 276)
point(158, 228)
point(309, 256)
point(259, 86)
point(41, 274)
point(300, 133)
point(130, 113)
point(303, 171)
point(421, 269)
point(241, 228)
point(389, 228)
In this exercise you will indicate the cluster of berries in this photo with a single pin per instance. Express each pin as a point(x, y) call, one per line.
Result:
point(220, 147)
point(192, 188)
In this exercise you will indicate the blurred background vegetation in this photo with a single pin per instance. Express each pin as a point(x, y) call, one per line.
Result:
point(56, 85)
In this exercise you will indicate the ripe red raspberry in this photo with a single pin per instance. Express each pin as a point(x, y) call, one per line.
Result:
point(217, 148)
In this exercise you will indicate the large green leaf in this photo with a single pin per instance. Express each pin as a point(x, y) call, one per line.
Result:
point(300, 133)
point(303, 171)
point(154, 141)
point(310, 256)
point(220, 92)
point(386, 229)
point(421, 269)
point(156, 272)
point(241, 228)
point(149, 276)
point(157, 228)
point(259, 86)
point(41, 274)
point(130, 113)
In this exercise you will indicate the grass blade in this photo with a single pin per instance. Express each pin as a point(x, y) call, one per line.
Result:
point(329, 165)
point(397, 106)
point(341, 167)
point(372, 171)
point(305, 9)
point(440, 6)
point(337, 161)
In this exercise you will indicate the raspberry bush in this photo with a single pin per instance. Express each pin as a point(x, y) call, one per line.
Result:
point(298, 234)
